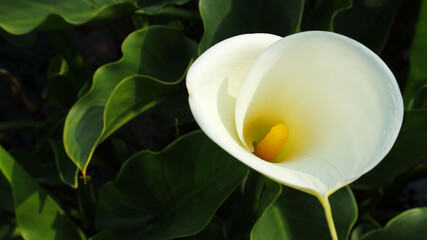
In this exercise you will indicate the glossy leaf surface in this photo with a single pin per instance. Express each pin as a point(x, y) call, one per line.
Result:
point(154, 60)
point(23, 16)
point(171, 193)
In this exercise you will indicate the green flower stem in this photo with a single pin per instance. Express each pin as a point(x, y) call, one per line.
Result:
point(328, 213)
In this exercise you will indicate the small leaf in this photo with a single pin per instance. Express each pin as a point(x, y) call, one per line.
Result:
point(61, 90)
point(227, 18)
point(68, 172)
point(409, 225)
point(126, 88)
point(172, 193)
point(38, 216)
point(298, 215)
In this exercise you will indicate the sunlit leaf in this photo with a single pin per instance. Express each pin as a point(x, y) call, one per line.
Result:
point(298, 215)
point(23, 16)
point(409, 225)
point(38, 216)
point(171, 193)
point(226, 18)
point(154, 61)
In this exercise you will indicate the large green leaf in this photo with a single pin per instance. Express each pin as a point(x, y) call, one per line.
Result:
point(226, 18)
point(320, 14)
point(418, 72)
point(298, 215)
point(409, 148)
point(124, 89)
point(171, 193)
point(369, 22)
point(38, 216)
point(23, 16)
point(409, 225)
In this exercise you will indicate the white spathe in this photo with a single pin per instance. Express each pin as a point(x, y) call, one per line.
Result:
point(340, 101)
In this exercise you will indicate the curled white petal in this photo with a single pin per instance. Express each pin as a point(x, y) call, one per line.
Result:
point(213, 82)
point(340, 101)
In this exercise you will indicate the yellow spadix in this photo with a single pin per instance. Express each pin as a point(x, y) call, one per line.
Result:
point(339, 100)
point(271, 145)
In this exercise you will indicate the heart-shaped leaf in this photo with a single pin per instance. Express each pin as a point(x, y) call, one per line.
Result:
point(124, 89)
point(171, 193)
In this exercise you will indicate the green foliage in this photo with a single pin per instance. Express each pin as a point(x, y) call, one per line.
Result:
point(37, 214)
point(23, 16)
point(320, 14)
point(418, 74)
point(410, 225)
point(106, 120)
point(119, 90)
point(294, 210)
point(223, 18)
point(369, 22)
point(176, 195)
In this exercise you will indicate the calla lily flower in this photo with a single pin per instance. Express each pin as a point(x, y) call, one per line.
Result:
point(324, 107)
